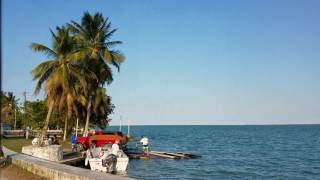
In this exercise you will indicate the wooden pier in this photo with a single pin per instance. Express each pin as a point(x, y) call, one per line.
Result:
point(72, 158)
point(170, 155)
point(161, 154)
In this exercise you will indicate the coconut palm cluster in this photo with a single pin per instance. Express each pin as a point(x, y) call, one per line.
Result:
point(77, 70)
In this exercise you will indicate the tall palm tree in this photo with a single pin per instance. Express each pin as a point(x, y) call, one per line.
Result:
point(59, 74)
point(94, 48)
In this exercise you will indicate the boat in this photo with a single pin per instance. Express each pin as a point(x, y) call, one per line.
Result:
point(100, 159)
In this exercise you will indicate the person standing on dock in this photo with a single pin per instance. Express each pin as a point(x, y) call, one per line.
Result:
point(73, 139)
point(145, 145)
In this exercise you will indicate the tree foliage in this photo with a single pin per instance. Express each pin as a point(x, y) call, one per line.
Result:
point(77, 69)
point(9, 107)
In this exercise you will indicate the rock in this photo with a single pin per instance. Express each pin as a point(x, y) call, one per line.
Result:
point(52, 152)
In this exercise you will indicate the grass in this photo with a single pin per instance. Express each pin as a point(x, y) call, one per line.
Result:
point(15, 144)
point(13, 172)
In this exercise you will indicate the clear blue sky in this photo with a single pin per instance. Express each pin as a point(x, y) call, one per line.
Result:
point(188, 62)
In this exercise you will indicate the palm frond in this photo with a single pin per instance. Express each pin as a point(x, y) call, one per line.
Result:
point(113, 57)
point(77, 27)
point(112, 43)
point(43, 78)
point(44, 49)
point(103, 25)
point(53, 35)
point(108, 26)
point(110, 34)
point(41, 68)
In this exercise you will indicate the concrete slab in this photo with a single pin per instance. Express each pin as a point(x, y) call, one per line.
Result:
point(52, 152)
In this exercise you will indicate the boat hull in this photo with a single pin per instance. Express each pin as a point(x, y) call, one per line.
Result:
point(121, 165)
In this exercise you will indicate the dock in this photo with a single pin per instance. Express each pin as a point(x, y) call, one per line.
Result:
point(72, 158)
point(170, 155)
point(161, 154)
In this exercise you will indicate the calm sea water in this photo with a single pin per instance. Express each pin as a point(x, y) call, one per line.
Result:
point(231, 152)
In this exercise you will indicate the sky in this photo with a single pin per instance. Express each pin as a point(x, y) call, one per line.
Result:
point(205, 62)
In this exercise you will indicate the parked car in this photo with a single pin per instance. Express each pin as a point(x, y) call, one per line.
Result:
point(99, 138)
point(6, 126)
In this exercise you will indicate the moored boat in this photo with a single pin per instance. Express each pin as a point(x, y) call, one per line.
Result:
point(101, 159)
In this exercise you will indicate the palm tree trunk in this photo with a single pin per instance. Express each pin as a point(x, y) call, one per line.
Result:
point(46, 124)
point(85, 134)
point(76, 111)
point(65, 128)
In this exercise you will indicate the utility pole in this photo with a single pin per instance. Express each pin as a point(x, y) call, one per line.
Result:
point(25, 96)
point(128, 127)
point(15, 118)
point(120, 123)
point(77, 127)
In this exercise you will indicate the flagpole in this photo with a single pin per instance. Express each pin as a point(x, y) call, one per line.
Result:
point(120, 123)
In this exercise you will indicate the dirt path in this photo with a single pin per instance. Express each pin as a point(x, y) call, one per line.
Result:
point(12, 172)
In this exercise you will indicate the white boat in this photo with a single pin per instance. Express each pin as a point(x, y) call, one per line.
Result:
point(98, 160)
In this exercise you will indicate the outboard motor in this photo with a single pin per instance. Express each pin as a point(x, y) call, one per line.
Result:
point(110, 162)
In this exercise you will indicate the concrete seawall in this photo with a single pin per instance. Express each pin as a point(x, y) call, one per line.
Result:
point(53, 170)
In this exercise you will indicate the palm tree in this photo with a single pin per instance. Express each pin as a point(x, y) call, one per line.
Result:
point(5, 108)
point(94, 49)
point(10, 106)
point(13, 105)
point(59, 74)
point(93, 37)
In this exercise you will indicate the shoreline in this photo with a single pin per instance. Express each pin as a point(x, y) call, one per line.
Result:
point(53, 170)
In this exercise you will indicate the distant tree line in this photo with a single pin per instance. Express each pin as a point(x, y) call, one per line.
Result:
point(21, 115)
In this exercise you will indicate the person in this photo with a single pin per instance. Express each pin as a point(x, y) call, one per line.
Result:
point(3, 159)
point(35, 141)
point(55, 140)
point(73, 140)
point(115, 148)
point(145, 142)
point(1, 152)
point(113, 156)
point(48, 141)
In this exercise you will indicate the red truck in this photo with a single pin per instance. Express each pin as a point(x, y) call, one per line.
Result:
point(99, 138)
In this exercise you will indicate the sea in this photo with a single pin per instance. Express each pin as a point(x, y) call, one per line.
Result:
point(230, 152)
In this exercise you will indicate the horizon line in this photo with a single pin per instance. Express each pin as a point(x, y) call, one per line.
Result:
point(217, 124)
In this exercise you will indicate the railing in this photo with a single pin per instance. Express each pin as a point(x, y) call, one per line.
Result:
point(59, 133)
point(31, 133)
point(13, 133)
